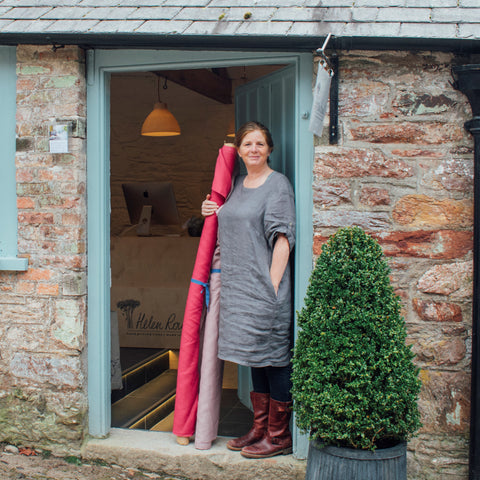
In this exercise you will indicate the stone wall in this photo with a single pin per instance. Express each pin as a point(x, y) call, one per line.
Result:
point(403, 171)
point(42, 327)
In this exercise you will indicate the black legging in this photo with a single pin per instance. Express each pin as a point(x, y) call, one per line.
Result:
point(273, 380)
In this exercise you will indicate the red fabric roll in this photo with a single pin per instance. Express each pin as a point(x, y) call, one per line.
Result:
point(186, 401)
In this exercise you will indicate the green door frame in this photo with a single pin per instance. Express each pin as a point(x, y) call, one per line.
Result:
point(100, 65)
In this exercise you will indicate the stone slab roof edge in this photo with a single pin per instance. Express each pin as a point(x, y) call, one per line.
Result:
point(236, 42)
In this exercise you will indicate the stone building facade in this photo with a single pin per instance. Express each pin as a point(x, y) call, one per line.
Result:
point(403, 171)
point(43, 327)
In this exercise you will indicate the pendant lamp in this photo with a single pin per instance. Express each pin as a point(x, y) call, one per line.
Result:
point(160, 122)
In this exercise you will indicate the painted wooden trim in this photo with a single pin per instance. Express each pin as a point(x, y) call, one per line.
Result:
point(98, 241)
point(14, 264)
point(100, 64)
point(8, 186)
point(146, 60)
point(304, 205)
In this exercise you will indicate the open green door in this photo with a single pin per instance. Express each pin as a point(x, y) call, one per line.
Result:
point(269, 100)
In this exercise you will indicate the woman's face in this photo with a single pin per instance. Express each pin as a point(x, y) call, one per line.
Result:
point(254, 150)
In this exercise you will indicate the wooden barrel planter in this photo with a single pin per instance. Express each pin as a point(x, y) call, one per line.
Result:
point(336, 463)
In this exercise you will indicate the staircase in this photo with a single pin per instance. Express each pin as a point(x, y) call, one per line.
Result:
point(147, 398)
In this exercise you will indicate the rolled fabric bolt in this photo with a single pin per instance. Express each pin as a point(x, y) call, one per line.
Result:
point(186, 402)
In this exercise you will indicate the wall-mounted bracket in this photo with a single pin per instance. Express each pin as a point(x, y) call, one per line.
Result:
point(333, 130)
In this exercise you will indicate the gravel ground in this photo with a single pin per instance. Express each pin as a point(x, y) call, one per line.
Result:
point(27, 464)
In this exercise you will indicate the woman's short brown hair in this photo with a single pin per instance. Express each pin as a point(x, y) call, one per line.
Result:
point(251, 127)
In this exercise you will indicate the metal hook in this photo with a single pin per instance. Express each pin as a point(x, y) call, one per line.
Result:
point(325, 60)
point(321, 51)
point(56, 46)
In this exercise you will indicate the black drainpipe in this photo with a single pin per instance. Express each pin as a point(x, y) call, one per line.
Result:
point(467, 80)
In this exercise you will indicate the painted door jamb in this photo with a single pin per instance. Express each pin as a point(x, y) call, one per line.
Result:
point(100, 64)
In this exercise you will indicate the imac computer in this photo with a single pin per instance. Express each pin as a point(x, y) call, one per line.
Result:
point(150, 203)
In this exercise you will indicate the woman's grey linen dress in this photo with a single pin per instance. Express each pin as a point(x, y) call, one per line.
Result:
point(255, 323)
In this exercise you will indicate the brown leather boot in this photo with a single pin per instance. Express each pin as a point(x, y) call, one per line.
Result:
point(278, 440)
point(260, 402)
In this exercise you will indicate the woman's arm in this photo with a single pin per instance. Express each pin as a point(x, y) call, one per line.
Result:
point(281, 252)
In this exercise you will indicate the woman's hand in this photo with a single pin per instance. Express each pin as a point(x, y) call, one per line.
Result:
point(209, 207)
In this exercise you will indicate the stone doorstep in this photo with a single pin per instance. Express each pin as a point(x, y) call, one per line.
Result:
point(159, 452)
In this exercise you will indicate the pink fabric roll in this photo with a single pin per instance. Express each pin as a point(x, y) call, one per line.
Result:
point(211, 369)
point(186, 401)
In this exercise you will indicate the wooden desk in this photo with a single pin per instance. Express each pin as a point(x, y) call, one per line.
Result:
point(150, 281)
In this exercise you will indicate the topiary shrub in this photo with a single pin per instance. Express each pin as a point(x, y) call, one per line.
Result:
point(354, 382)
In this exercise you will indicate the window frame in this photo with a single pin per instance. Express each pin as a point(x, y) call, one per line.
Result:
point(8, 186)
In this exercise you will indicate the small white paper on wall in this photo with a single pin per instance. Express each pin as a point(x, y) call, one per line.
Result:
point(58, 138)
point(320, 100)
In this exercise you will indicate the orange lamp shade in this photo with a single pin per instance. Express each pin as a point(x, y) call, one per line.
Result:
point(160, 123)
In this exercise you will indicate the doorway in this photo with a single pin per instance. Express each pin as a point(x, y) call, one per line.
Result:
point(104, 70)
point(151, 270)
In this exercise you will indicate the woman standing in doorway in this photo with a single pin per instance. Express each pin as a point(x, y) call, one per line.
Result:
point(256, 235)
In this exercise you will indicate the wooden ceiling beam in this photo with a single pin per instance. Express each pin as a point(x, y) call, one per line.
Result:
point(203, 81)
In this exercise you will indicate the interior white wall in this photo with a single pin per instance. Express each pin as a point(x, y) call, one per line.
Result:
point(187, 160)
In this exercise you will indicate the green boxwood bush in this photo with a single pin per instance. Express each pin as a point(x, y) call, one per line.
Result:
point(354, 382)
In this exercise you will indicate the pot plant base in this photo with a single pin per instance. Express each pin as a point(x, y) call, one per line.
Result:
point(339, 463)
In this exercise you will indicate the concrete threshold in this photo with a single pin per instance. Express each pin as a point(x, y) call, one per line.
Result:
point(159, 452)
